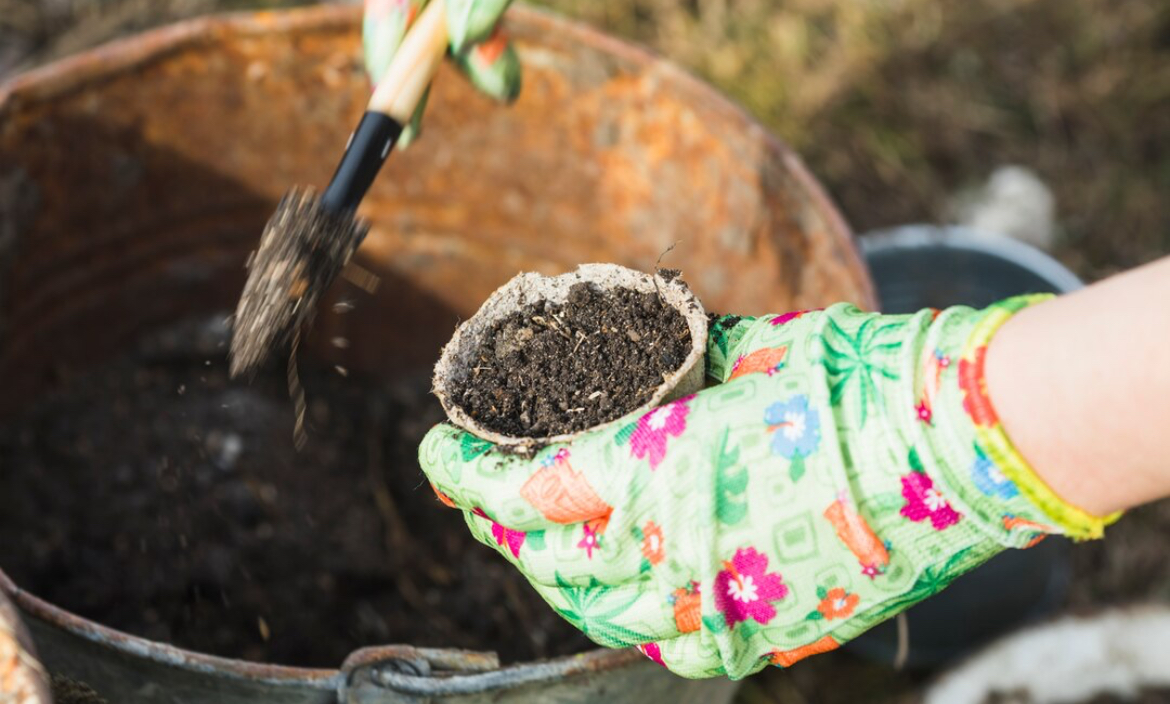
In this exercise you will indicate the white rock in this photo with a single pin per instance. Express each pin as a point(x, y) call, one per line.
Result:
point(1073, 659)
point(1014, 202)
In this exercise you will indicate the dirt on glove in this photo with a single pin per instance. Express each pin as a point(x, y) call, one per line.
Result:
point(556, 368)
point(156, 496)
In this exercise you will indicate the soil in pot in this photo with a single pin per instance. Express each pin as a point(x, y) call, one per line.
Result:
point(156, 496)
point(555, 368)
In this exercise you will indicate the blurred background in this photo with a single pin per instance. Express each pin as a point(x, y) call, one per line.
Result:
point(904, 109)
point(908, 111)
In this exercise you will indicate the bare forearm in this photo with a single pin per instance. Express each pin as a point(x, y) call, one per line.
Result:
point(1082, 386)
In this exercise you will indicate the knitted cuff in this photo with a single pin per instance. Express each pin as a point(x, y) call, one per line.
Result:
point(981, 464)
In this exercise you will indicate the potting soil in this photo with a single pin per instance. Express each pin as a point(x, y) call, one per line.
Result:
point(67, 691)
point(555, 368)
point(156, 496)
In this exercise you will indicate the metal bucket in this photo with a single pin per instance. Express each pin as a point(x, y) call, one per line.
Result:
point(135, 179)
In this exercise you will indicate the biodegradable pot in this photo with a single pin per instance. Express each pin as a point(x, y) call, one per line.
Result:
point(136, 178)
point(459, 354)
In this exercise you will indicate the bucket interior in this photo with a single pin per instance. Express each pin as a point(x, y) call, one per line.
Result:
point(136, 180)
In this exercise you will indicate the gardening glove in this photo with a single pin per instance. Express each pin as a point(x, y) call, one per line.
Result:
point(478, 46)
point(22, 679)
point(847, 466)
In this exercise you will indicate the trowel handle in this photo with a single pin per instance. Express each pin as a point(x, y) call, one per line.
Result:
point(392, 106)
point(413, 66)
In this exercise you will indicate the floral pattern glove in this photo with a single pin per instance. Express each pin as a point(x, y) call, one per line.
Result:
point(847, 466)
point(478, 46)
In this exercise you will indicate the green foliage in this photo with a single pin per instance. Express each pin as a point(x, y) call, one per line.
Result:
point(623, 435)
point(730, 485)
point(471, 447)
point(914, 460)
point(716, 623)
point(592, 609)
point(859, 361)
point(932, 581)
point(796, 467)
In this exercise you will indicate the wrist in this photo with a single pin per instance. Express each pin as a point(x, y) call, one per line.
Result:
point(980, 461)
point(1079, 384)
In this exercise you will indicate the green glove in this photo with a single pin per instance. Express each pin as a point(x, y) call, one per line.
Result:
point(848, 466)
point(477, 46)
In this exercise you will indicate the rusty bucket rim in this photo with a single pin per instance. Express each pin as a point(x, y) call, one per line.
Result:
point(369, 657)
point(38, 608)
point(69, 73)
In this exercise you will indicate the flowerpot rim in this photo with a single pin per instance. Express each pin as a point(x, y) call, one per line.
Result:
point(528, 287)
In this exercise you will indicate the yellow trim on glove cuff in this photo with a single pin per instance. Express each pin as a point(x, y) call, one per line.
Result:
point(1076, 522)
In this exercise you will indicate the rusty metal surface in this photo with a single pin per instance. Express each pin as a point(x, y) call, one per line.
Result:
point(421, 674)
point(123, 667)
point(39, 610)
point(193, 132)
point(135, 179)
point(22, 678)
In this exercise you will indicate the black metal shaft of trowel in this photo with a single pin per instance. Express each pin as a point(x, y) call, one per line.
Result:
point(368, 147)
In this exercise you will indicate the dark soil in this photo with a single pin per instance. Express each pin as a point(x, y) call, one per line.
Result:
point(155, 496)
point(66, 691)
point(303, 248)
point(723, 322)
point(559, 368)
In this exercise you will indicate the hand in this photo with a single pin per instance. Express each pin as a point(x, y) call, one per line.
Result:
point(477, 46)
point(847, 466)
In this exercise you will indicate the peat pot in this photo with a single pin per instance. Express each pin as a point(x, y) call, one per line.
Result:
point(135, 179)
point(459, 355)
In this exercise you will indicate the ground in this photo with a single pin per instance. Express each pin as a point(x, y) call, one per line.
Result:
point(895, 106)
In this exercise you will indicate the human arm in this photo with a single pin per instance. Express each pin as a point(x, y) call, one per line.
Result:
point(1082, 386)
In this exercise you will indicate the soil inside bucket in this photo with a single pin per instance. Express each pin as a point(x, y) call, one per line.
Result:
point(553, 368)
point(155, 496)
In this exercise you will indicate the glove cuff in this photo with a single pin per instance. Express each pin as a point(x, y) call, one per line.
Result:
point(982, 466)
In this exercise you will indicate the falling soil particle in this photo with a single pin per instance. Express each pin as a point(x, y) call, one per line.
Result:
point(156, 496)
point(303, 248)
point(555, 368)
